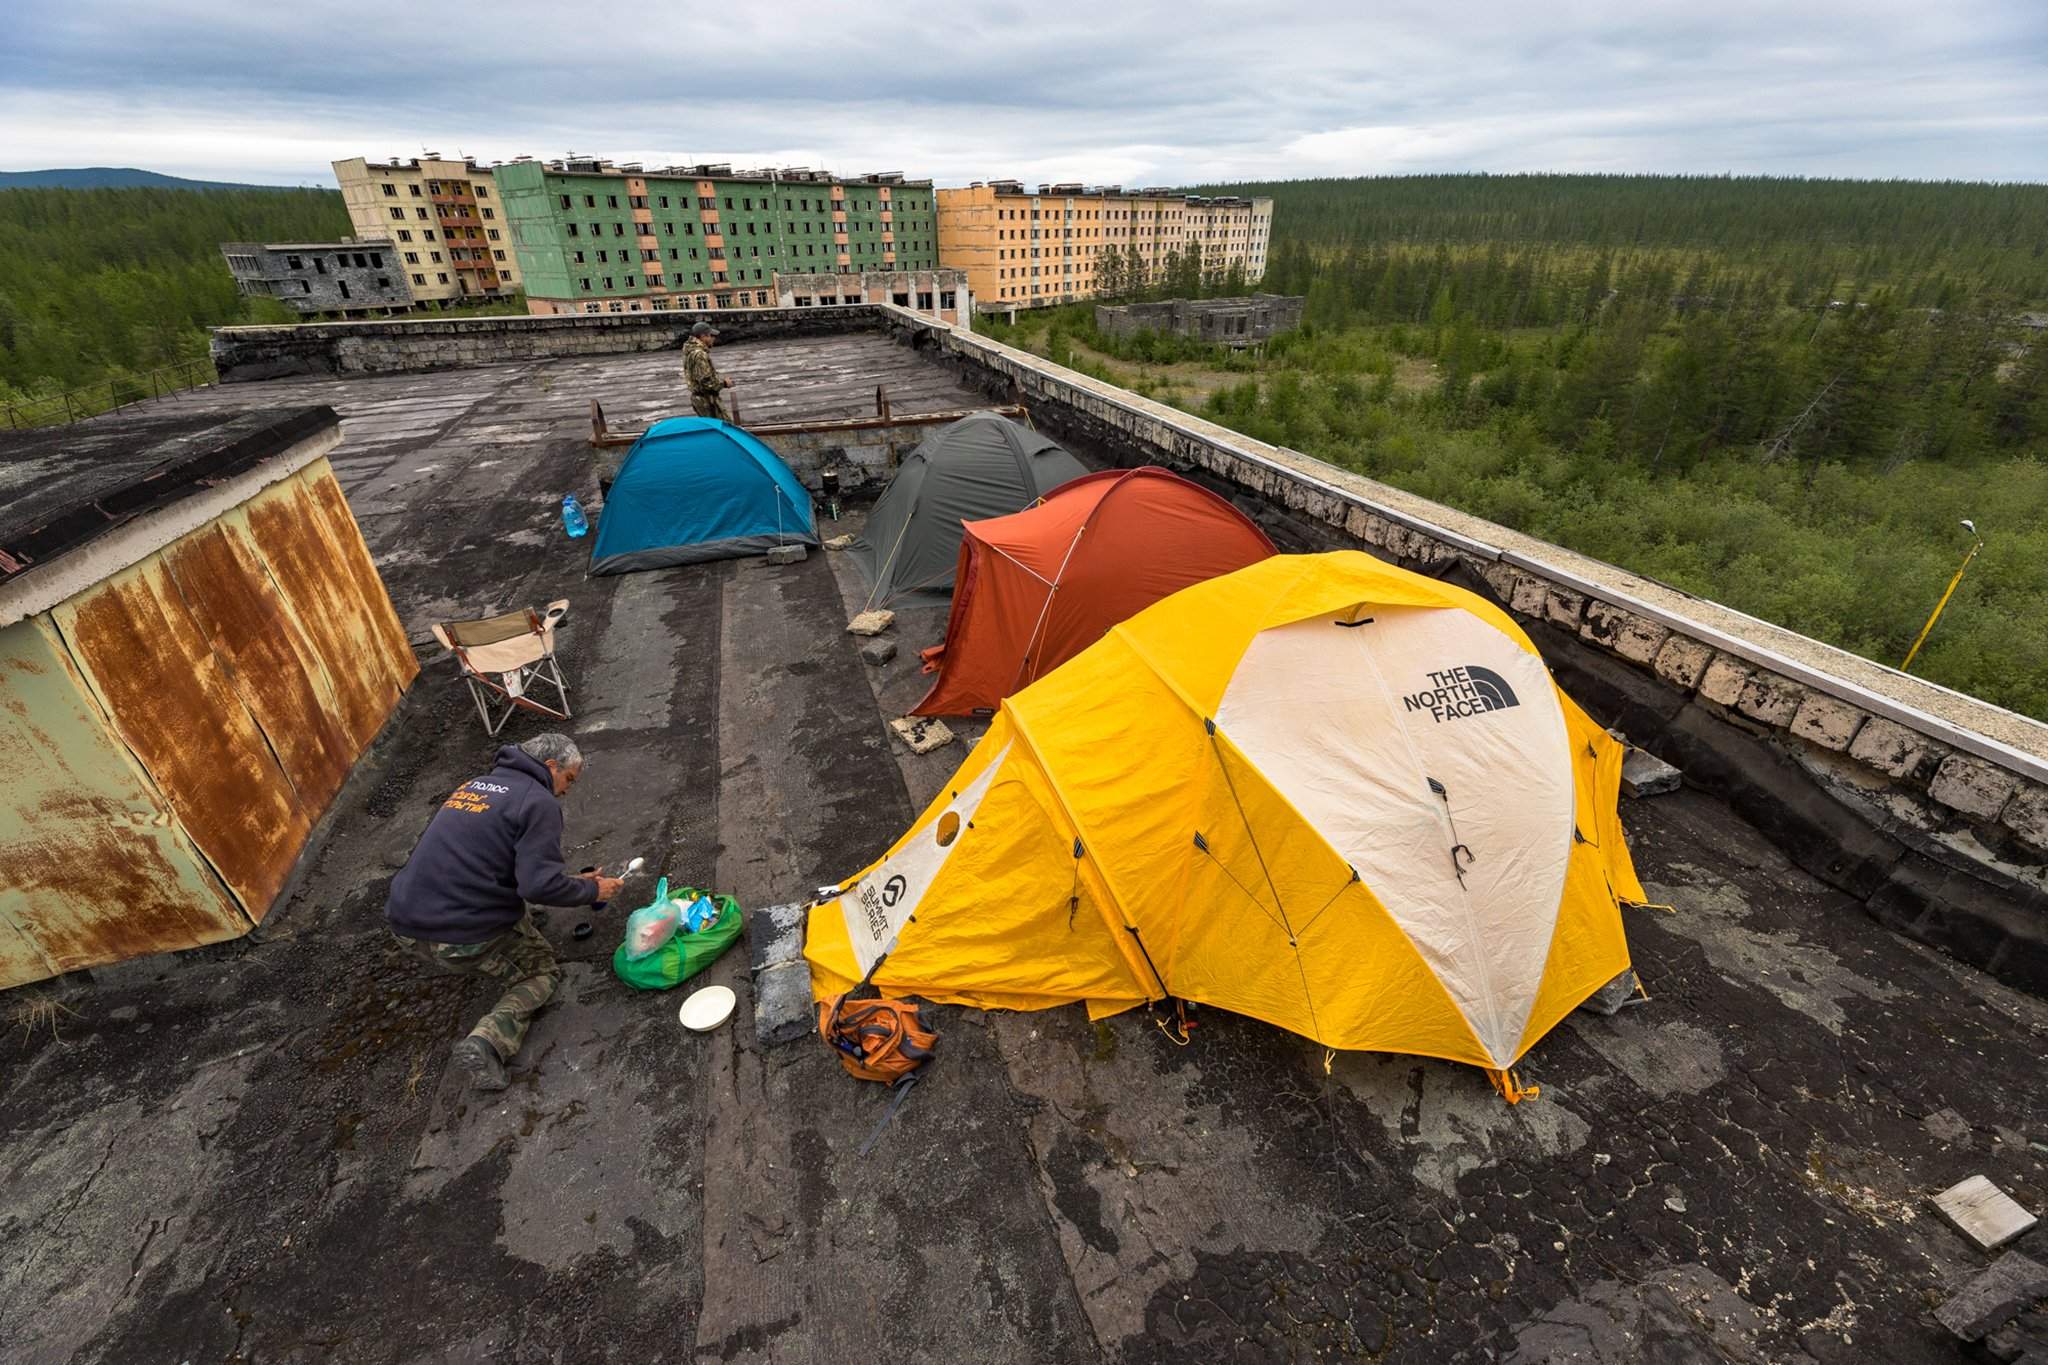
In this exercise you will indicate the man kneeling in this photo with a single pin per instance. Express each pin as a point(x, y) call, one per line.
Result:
point(460, 900)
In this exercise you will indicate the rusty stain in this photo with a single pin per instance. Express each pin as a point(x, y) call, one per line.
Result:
point(171, 702)
point(271, 666)
point(346, 538)
point(321, 593)
point(95, 870)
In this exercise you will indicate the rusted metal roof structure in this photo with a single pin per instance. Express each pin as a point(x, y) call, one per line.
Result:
point(194, 649)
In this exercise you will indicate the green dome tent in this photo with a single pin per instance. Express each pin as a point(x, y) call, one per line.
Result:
point(980, 466)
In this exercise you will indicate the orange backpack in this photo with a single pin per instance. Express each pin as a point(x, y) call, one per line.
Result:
point(877, 1040)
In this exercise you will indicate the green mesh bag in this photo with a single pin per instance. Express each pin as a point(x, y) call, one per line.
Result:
point(684, 955)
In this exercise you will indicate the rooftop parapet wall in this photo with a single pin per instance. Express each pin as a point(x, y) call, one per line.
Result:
point(402, 346)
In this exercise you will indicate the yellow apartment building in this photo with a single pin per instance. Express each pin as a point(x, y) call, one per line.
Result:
point(444, 218)
point(1024, 250)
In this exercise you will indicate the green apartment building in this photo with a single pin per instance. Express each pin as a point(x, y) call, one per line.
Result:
point(595, 237)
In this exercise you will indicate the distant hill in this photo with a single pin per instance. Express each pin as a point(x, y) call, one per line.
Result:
point(114, 178)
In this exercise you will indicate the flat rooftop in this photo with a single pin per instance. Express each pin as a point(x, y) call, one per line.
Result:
point(258, 1151)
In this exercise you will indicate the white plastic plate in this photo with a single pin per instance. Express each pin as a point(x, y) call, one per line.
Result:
point(705, 1010)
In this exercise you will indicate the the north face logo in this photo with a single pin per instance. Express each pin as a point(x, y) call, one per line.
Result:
point(1467, 691)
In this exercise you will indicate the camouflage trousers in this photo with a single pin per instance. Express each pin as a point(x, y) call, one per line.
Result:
point(521, 957)
point(708, 404)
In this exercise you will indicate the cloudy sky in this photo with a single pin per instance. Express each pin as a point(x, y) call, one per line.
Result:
point(1136, 93)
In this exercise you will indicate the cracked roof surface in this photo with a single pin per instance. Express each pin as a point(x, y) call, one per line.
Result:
point(259, 1151)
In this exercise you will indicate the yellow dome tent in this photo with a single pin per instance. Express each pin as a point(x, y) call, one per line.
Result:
point(1322, 791)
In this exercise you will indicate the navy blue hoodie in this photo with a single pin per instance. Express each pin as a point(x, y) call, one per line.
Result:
point(494, 845)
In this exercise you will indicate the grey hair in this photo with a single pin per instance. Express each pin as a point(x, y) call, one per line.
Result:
point(552, 747)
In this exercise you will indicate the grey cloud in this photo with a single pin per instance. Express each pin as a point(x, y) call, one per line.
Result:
point(1152, 93)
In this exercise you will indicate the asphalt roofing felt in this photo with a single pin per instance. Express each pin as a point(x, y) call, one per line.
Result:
point(259, 1152)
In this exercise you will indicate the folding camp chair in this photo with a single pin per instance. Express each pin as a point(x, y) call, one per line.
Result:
point(502, 656)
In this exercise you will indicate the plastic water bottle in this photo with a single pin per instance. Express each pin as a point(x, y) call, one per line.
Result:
point(573, 520)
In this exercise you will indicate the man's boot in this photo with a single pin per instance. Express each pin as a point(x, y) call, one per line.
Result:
point(480, 1060)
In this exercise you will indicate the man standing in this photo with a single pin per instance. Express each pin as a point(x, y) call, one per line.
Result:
point(701, 374)
point(460, 900)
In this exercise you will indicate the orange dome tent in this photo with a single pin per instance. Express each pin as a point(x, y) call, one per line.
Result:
point(1035, 588)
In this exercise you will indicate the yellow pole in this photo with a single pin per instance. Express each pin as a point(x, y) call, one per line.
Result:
point(1965, 568)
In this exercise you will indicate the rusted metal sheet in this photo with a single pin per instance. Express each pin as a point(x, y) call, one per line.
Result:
point(339, 604)
point(93, 868)
point(345, 541)
point(167, 695)
point(271, 666)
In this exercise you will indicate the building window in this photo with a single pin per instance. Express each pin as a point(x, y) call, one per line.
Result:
point(492, 234)
point(404, 234)
point(499, 254)
point(590, 201)
point(442, 277)
point(579, 258)
point(572, 229)
point(419, 279)
point(608, 282)
point(618, 229)
point(604, 256)
point(611, 201)
point(490, 213)
point(585, 283)
point(399, 214)
point(437, 257)
point(924, 301)
point(946, 298)
point(482, 191)
point(631, 282)
point(565, 202)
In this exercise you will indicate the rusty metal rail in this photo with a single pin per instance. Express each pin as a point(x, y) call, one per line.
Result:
point(603, 437)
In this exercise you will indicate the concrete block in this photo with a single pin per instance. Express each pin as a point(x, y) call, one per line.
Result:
point(1564, 607)
point(1985, 1214)
point(1825, 721)
point(2027, 816)
point(1995, 1296)
point(1530, 595)
point(1682, 660)
point(1972, 786)
point(1893, 749)
point(783, 1011)
point(1724, 680)
point(1770, 699)
point(878, 652)
point(871, 623)
point(787, 554)
point(1501, 578)
point(1631, 636)
point(921, 733)
point(1645, 774)
point(1947, 1126)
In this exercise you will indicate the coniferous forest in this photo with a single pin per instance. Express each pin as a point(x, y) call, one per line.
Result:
point(1781, 394)
point(99, 284)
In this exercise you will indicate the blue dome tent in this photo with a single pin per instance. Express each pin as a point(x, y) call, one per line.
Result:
point(696, 488)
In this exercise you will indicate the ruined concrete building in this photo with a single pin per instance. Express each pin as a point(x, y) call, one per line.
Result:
point(1229, 322)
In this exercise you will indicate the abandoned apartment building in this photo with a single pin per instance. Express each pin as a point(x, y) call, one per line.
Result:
point(230, 1129)
point(343, 279)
